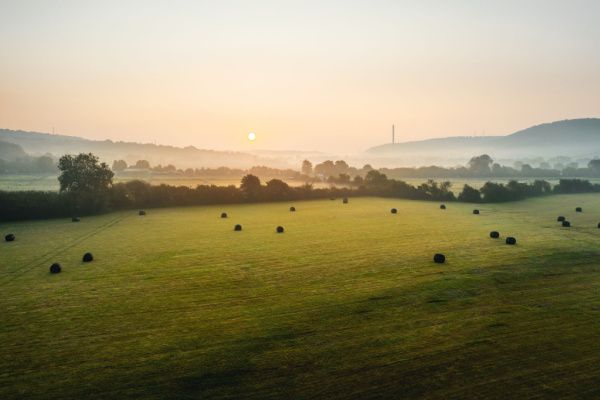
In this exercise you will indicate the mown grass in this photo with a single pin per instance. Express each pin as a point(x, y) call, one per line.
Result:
point(347, 303)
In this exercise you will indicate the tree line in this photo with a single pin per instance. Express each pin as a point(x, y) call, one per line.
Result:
point(86, 187)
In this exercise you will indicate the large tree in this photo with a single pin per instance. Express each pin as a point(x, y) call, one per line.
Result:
point(307, 167)
point(251, 187)
point(481, 165)
point(83, 173)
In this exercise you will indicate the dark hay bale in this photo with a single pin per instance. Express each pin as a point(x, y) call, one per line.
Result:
point(224, 215)
point(142, 212)
point(476, 211)
point(292, 209)
point(74, 219)
point(10, 237)
point(88, 257)
point(394, 211)
point(566, 224)
point(345, 200)
point(598, 225)
point(511, 240)
point(439, 258)
point(238, 227)
point(578, 209)
point(55, 268)
point(494, 234)
point(442, 206)
point(560, 218)
point(279, 229)
point(332, 198)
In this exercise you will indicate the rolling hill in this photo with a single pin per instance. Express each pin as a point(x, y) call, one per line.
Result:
point(36, 143)
point(575, 138)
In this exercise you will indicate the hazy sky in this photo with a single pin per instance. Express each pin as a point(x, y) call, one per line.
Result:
point(314, 75)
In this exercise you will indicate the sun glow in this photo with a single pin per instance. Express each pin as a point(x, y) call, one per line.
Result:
point(251, 136)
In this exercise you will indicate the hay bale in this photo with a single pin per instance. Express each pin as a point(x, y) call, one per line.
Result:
point(223, 215)
point(442, 206)
point(566, 224)
point(345, 200)
point(560, 218)
point(332, 198)
point(142, 212)
point(10, 237)
point(394, 211)
point(494, 234)
point(279, 229)
point(55, 268)
point(292, 208)
point(511, 240)
point(439, 258)
point(238, 227)
point(88, 257)
point(476, 212)
point(598, 225)
point(74, 219)
point(578, 209)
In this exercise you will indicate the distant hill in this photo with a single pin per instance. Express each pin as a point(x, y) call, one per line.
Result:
point(11, 151)
point(36, 143)
point(574, 138)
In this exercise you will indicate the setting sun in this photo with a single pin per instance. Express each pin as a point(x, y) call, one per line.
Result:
point(251, 136)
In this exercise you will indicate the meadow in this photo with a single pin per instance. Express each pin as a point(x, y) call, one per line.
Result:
point(347, 303)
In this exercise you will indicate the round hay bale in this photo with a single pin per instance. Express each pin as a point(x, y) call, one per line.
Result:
point(142, 212)
point(238, 227)
point(566, 224)
point(394, 211)
point(74, 219)
point(10, 237)
point(223, 215)
point(511, 240)
point(476, 212)
point(442, 206)
point(560, 218)
point(439, 258)
point(55, 268)
point(598, 225)
point(332, 198)
point(279, 229)
point(292, 209)
point(345, 200)
point(494, 234)
point(578, 209)
point(88, 257)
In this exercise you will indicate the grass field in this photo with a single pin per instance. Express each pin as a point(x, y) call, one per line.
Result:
point(347, 303)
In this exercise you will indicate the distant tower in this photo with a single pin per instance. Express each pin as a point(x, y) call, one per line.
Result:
point(393, 135)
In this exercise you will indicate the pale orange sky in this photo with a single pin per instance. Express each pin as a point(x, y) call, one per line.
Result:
point(312, 75)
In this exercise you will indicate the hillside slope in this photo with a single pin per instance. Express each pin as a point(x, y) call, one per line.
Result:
point(42, 143)
point(577, 137)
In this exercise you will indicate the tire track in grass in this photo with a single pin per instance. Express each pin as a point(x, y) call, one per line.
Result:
point(47, 256)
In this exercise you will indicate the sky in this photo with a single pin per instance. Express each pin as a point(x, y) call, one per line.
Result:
point(302, 75)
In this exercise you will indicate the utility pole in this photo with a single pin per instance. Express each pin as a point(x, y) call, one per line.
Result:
point(393, 135)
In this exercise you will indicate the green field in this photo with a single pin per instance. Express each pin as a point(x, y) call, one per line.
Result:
point(347, 303)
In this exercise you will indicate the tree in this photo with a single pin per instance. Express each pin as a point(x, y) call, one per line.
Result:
point(326, 168)
point(594, 165)
point(375, 178)
point(277, 189)
point(307, 167)
point(142, 164)
point(119, 165)
point(86, 183)
point(481, 165)
point(251, 187)
point(84, 173)
point(469, 194)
